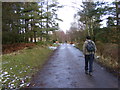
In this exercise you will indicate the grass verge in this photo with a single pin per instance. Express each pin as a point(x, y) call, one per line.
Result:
point(19, 67)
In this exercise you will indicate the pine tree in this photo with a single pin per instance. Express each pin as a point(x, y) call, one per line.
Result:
point(27, 20)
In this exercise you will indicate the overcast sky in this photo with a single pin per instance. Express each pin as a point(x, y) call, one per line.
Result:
point(67, 12)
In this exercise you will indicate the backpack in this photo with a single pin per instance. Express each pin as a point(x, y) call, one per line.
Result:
point(90, 46)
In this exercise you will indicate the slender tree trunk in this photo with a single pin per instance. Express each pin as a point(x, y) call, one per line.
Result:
point(47, 23)
point(26, 30)
point(34, 36)
point(117, 18)
point(26, 26)
point(41, 24)
point(117, 14)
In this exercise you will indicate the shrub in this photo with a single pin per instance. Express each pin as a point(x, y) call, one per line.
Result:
point(109, 54)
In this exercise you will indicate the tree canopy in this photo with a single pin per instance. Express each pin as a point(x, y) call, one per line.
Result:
point(26, 21)
point(90, 21)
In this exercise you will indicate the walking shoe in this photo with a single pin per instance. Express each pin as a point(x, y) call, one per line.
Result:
point(90, 73)
point(86, 72)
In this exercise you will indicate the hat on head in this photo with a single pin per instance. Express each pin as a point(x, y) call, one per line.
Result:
point(88, 37)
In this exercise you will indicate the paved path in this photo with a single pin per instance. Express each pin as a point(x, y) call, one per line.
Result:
point(65, 69)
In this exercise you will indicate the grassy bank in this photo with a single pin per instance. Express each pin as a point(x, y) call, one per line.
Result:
point(108, 53)
point(80, 45)
point(19, 67)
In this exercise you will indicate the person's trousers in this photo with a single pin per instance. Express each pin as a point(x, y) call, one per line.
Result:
point(89, 62)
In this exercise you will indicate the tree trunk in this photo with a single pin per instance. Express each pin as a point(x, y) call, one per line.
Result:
point(34, 36)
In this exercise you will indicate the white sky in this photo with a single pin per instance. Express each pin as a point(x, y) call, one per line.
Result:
point(67, 12)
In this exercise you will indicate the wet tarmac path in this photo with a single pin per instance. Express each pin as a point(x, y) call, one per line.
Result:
point(65, 69)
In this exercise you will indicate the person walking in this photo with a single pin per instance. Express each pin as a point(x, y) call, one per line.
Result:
point(89, 49)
